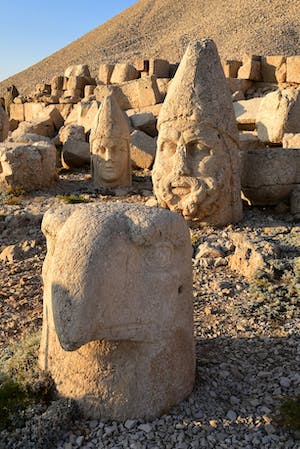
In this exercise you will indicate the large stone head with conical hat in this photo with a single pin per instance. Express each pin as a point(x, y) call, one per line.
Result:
point(196, 171)
point(110, 143)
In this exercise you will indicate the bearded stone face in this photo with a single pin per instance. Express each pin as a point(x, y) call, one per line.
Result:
point(191, 169)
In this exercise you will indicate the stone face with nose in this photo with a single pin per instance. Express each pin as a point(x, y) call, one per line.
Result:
point(196, 169)
point(118, 315)
point(110, 143)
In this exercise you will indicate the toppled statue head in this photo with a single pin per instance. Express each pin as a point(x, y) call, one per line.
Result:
point(110, 143)
point(118, 312)
point(196, 170)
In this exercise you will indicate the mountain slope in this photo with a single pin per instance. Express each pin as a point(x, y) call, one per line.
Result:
point(162, 28)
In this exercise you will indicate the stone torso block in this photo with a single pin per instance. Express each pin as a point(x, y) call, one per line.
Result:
point(118, 316)
point(27, 166)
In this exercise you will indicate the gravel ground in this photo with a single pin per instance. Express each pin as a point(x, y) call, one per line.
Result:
point(246, 333)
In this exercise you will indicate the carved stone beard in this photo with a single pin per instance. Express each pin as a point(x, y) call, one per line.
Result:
point(194, 198)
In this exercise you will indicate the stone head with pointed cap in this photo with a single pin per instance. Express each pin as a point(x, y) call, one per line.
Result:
point(110, 143)
point(196, 170)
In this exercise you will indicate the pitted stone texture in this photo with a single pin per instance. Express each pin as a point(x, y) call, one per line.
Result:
point(110, 146)
point(251, 68)
point(196, 170)
point(293, 69)
point(123, 72)
point(278, 114)
point(291, 140)
point(27, 166)
point(76, 150)
point(118, 315)
point(84, 114)
point(81, 70)
point(105, 72)
point(4, 124)
point(273, 69)
point(142, 149)
point(269, 174)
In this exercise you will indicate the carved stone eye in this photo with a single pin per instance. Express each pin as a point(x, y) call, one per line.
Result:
point(168, 147)
point(159, 255)
point(198, 149)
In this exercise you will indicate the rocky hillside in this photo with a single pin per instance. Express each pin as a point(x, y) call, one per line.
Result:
point(162, 28)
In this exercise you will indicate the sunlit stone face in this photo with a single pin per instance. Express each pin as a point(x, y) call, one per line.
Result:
point(110, 159)
point(191, 168)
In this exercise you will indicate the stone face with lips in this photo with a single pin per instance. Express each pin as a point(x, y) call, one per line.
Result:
point(196, 170)
point(118, 314)
point(110, 140)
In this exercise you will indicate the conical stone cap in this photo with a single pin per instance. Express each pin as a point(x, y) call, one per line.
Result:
point(110, 120)
point(199, 91)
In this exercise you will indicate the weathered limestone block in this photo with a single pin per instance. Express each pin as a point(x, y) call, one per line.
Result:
point(75, 149)
point(64, 109)
point(75, 154)
point(246, 112)
point(89, 90)
point(251, 256)
point(251, 68)
point(27, 166)
point(278, 114)
point(72, 132)
point(142, 149)
point(57, 84)
point(159, 67)
point(47, 123)
point(291, 140)
point(142, 65)
point(105, 72)
point(110, 144)
point(273, 69)
point(163, 86)
point(132, 94)
point(30, 138)
point(269, 174)
point(4, 124)
point(42, 127)
point(196, 169)
point(102, 91)
point(231, 67)
point(32, 110)
point(236, 84)
point(84, 114)
point(293, 69)
point(17, 112)
point(52, 112)
point(78, 70)
point(10, 94)
point(144, 121)
point(123, 72)
point(118, 315)
point(249, 140)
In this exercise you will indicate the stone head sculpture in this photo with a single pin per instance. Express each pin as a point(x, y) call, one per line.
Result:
point(196, 170)
point(118, 314)
point(110, 143)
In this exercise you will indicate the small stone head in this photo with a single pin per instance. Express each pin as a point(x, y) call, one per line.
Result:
point(110, 139)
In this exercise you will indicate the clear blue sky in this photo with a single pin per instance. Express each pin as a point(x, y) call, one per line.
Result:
point(31, 30)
